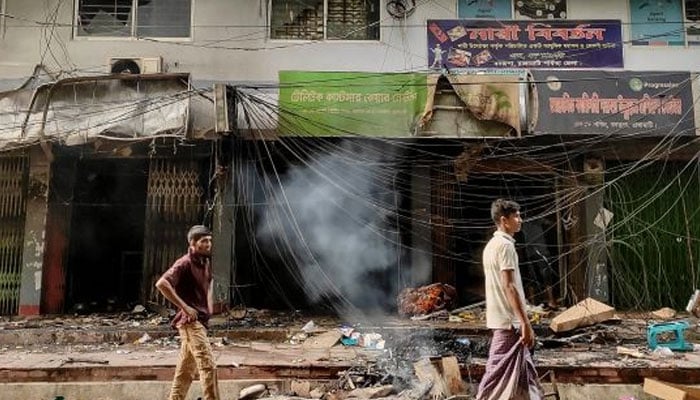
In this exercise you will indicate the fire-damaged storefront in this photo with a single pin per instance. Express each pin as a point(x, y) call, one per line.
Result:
point(379, 182)
point(336, 192)
point(115, 224)
point(101, 176)
point(343, 223)
point(369, 187)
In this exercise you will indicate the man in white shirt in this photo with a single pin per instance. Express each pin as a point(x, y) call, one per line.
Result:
point(509, 361)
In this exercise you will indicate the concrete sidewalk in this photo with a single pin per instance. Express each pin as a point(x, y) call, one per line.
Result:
point(117, 361)
point(144, 371)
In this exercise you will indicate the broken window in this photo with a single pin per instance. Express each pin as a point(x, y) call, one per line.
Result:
point(134, 18)
point(325, 19)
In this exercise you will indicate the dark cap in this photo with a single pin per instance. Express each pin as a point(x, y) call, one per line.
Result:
point(196, 232)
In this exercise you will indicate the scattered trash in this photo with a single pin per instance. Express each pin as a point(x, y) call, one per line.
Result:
point(670, 335)
point(350, 337)
point(252, 391)
point(298, 338)
point(238, 312)
point(143, 339)
point(588, 312)
point(349, 341)
point(372, 341)
point(309, 327)
point(455, 318)
point(630, 352)
point(662, 352)
point(664, 313)
point(693, 306)
point(668, 391)
point(371, 392)
point(139, 309)
point(317, 393)
point(445, 376)
point(219, 341)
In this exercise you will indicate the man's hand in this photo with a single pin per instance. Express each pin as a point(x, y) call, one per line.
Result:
point(190, 312)
point(527, 336)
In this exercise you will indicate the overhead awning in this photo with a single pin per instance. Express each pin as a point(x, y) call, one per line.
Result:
point(119, 106)
point(487, 97)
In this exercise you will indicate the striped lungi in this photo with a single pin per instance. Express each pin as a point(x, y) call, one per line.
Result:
point(510, 371)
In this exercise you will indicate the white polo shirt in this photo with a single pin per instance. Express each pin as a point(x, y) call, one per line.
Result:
point(500, 255)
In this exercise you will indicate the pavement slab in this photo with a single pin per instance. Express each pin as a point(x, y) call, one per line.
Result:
point(144, 347)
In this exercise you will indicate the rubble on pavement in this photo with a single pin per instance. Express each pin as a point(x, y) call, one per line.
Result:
point(383, 356)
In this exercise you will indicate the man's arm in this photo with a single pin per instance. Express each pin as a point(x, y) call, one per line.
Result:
point(210, 297)
point(528, 335)
point(169, 293)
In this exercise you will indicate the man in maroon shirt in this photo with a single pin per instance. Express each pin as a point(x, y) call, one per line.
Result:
point(188, 284)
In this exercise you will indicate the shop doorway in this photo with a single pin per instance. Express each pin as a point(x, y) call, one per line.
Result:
point(105, 258)
point(537, 243)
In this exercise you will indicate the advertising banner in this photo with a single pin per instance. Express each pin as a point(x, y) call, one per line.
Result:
point(656, 23)
point(351, 103)
point(614, 102)
point(476, 43)
point(491, 9)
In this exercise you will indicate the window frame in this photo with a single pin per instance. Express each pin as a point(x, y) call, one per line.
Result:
point(3, 20)
point(686, 23)
point(268, 34)
point(132, 36)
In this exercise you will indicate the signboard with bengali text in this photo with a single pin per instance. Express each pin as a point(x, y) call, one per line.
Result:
point(478, 43)
point(351, 103)
point(614, 102)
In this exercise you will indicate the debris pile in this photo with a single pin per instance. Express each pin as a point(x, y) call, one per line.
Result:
point(416, 364)
point(432, 378)
point(426, 299)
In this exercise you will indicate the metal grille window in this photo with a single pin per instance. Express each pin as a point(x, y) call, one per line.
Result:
point(174, 203)
point(13, 186)
point(692, 10)
point(134, 18)
point(325, 19)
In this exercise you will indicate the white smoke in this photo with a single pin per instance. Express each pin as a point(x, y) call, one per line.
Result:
point(334, 215)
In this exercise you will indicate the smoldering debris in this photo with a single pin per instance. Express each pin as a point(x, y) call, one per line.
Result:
point(404, 349)
point(426, 299)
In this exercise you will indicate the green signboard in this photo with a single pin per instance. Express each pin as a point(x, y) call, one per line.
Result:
point(350, 103)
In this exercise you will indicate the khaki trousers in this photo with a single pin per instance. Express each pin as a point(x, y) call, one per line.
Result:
point(195, 354)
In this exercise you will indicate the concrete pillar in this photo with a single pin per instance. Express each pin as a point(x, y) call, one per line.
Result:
point(421, 233)
point(223, 237)
point(34, 230)
point(597, 276)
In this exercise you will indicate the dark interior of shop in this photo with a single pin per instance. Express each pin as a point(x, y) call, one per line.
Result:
point(106, 248)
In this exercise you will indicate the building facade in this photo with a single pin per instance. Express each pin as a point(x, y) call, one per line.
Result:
point(114, 139)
